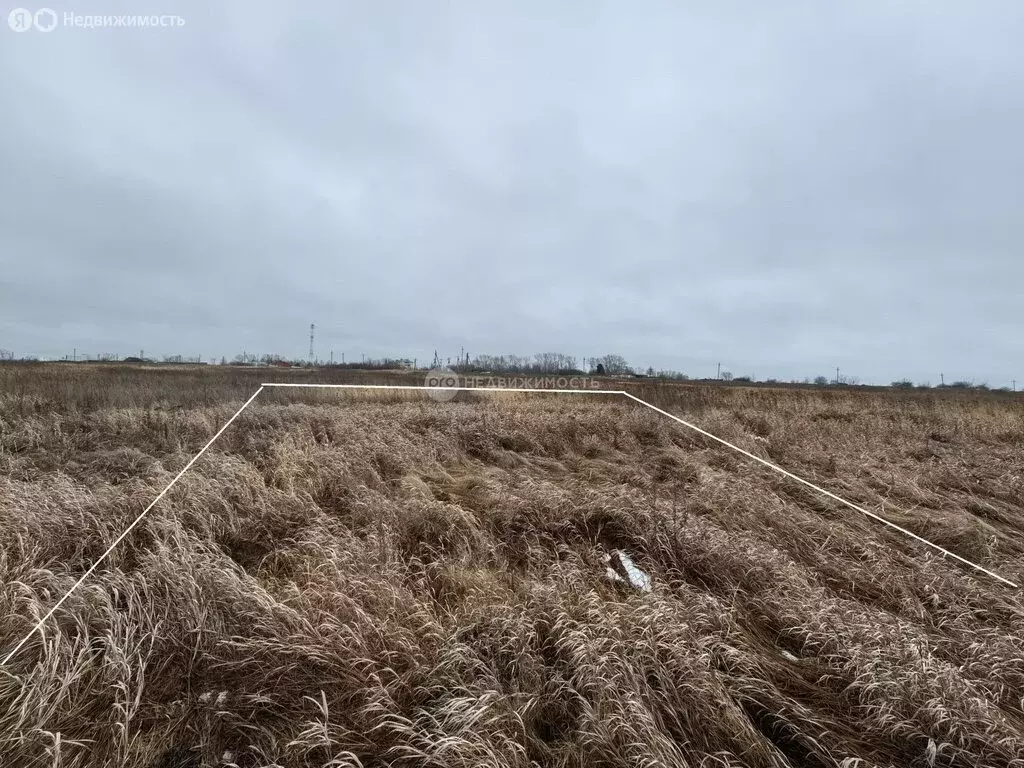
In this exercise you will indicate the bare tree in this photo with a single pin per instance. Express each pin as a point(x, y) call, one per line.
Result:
point(613, 365)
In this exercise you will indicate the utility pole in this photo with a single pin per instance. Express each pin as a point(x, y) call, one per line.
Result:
point(332, 357)
point(1014, 385)
point(312, 328)
point(837, 375)
point(942, 379)
point(719, 376)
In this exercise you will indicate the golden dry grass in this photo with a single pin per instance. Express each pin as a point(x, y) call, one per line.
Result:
point(378, 579)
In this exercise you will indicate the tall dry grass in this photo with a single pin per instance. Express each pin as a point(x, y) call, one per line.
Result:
point(380, 579)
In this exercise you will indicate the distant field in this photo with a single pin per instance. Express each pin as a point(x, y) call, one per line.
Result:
point(380, 579)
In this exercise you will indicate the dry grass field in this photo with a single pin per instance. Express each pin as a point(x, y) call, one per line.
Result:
point(379, 579)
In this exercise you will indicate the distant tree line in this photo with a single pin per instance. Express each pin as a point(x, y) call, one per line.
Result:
point(542, 363)
point(548, 363)
point(555, 363)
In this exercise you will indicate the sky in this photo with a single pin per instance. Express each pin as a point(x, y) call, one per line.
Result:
point(783, 188)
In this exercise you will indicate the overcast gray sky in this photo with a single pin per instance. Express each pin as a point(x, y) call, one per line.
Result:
point(782, 187)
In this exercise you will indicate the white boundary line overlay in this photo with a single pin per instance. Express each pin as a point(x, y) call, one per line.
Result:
point(821, 490)
point(39, 624)
point(449, 389)
point(119, 539)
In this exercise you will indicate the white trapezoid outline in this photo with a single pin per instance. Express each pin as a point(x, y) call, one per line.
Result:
point(945, 552)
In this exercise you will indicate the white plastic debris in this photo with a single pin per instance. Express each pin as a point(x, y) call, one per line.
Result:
point(208, 698)
point(622, 568)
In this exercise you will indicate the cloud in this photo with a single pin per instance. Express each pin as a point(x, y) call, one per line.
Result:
point(783, 190)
